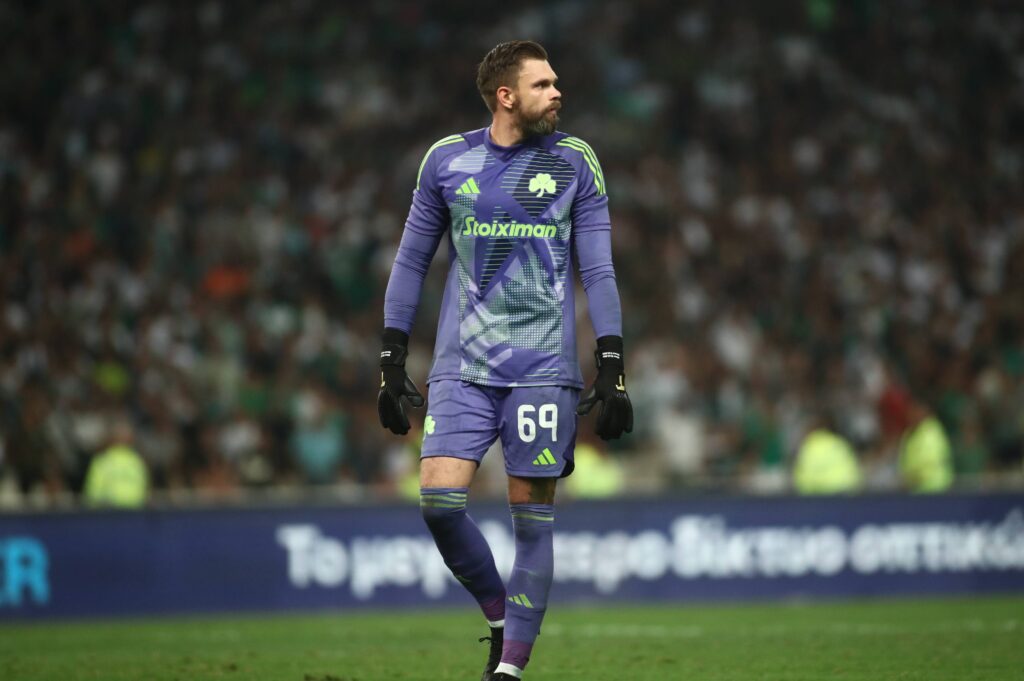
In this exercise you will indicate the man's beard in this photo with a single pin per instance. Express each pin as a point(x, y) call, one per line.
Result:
point(537, 126)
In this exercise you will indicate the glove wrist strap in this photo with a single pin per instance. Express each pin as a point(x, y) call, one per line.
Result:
point(394, 348)
point(393, 355)
point(609, 353)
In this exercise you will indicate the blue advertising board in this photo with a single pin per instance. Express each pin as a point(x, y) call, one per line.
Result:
point(230, 560)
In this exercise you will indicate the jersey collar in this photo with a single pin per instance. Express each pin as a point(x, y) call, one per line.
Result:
point(505, 153)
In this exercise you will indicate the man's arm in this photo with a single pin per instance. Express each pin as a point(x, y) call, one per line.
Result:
point(593, 245)
point(426, 224)
point(594, 252)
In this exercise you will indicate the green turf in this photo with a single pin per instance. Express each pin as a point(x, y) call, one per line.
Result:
point(958, 640)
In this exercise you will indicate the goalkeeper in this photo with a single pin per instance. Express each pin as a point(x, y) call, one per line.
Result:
point(519, 205)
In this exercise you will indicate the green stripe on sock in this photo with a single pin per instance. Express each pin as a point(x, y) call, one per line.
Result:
point(435, 504)
point(530, 516)
point(525, 601)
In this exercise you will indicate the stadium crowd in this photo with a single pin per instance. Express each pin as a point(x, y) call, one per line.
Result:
point(816, 208)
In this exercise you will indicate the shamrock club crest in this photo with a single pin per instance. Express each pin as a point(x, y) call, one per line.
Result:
point(542, 183)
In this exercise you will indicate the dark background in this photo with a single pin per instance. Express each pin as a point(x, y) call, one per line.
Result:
point(816, 214)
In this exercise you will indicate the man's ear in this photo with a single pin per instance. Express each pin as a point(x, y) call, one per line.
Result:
point(506, 98)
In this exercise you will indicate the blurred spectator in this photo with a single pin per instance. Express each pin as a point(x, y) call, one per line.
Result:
point(29, 448)
point(117, 475)
point(926, 462)
point(826, 463)
point(597, 474)
point(318, 441)
point(971, 455)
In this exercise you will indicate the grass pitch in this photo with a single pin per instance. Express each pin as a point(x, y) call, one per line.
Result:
point(934, 640)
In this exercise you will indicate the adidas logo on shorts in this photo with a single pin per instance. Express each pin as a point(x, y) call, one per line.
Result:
point(545, 458)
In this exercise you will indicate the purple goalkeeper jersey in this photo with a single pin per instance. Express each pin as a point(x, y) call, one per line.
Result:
point(516, 218)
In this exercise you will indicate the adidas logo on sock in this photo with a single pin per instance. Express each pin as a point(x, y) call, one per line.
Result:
point(468, 187)
point(545, 458)
point(522, 600)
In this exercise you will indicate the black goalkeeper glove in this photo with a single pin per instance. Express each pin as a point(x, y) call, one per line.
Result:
point(609, 389)
point(395, 384)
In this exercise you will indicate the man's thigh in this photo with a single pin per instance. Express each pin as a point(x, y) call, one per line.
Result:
point(460, 425)
point(537, 426)
point(446, 471)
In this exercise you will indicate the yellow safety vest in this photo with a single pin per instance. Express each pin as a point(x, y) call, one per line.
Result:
point(594, 477)
point(826, 464)
point(117, 477)
point(926, 462)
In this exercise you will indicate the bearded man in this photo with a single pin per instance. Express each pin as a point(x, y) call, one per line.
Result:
point(520, 204)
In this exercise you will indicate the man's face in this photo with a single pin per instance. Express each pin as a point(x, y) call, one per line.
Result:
point(537, 100)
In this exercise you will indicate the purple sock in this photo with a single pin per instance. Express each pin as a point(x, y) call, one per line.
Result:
point(464, 549)
point(530, 582)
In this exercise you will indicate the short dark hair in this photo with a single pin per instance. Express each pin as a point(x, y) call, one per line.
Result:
point(500, 67)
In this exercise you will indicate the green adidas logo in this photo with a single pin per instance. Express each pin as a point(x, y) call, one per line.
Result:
point(522, 600)
point(468, 187)
point(545, 458)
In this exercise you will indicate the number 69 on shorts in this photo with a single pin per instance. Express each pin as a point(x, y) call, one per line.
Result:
point(547, 417)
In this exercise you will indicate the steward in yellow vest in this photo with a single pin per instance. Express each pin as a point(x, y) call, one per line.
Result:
point(826, 464)
point(117, 476)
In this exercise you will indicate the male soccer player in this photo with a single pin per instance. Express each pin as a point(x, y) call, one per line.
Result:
point(520, 204)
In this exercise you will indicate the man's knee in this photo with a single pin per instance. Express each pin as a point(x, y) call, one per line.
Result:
point(531, 490)
point(442, 507)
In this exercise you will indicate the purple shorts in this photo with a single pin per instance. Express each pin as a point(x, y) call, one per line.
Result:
point(537, 425)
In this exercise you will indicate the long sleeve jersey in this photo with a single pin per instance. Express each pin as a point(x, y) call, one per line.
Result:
point(517, 220)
